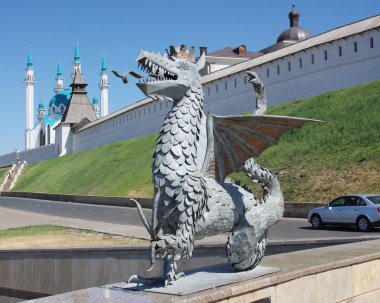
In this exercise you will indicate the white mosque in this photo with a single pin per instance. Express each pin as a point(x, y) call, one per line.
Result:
point(297, 65)
point(43, 132)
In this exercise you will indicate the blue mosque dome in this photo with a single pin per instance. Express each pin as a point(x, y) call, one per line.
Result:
point(41, 106)
point(95, 101)
point(62, 97)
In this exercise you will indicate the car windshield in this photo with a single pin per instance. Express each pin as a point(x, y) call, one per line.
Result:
point(374, 199)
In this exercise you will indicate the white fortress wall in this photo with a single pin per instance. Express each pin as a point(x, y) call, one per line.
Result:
point(33, 155)
point(336, 72)
point(39, 154)
point(286, 78)
point(122, 125)
point(8, 159)
point(304, 79)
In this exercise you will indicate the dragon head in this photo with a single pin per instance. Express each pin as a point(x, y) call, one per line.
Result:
point(169, 77)
point(253, 78)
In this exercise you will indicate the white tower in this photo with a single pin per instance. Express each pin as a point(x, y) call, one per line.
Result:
point(29, 106)
point(104, 85)
point(58, 79)
point(95, 104)
point(76, 62)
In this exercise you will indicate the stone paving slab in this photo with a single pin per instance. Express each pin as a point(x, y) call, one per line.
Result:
point(202, 279)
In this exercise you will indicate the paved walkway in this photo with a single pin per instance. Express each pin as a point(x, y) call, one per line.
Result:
point(11, 218)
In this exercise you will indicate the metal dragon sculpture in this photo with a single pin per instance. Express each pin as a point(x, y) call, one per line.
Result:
point(193, 156)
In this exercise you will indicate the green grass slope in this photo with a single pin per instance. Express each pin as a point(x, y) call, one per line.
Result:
point(322, 160)
point(117, 169)
point(314, 163)
point(3, 173)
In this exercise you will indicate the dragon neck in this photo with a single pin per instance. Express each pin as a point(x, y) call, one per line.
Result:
point(179, 135)
point(261, 99)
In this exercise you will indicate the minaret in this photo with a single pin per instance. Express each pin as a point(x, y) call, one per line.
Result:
point(104, 85)
point(41, 111)
point(58, 79)
point(95, 104)
point(76, 62)
point(29, 105)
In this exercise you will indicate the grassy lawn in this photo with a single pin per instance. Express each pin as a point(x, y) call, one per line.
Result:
point(314, 163)
point(117, 169)
point(52, 236)
point(340, 156)
point(3, 173)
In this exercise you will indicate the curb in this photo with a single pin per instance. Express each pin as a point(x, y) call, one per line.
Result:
point(292, 209)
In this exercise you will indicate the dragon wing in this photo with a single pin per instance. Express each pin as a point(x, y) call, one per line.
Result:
point(231, 140)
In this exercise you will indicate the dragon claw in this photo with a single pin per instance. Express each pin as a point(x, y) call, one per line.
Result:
point(172, 276)
point(147, 281)
point(134, 278)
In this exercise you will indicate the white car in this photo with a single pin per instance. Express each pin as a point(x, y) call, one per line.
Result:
point(359, 209)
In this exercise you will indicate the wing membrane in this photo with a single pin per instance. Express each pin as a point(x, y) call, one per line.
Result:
point(234, 139)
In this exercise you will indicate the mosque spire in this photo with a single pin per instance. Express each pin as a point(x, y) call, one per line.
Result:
point(76, 63)
point(95, 104)
point(58, 79)
point(76, 53)
point(104, 85)
point(59, 69)
point(104, 65)
point(29, 63)
point(29, 102)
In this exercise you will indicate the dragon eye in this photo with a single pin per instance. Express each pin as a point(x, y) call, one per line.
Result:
point(183, 65)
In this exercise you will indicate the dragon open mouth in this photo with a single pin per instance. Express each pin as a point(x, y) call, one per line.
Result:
point(162, 77)
point(156, 72)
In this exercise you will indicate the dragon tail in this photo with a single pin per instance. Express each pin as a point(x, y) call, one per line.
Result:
point(247, 243)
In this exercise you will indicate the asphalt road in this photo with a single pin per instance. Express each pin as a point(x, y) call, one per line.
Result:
point(287, 228)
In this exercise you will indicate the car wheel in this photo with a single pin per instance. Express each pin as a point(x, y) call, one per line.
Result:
point(363, 224)
point(316, 222)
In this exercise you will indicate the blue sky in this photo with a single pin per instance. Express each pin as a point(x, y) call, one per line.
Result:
point(119, 28)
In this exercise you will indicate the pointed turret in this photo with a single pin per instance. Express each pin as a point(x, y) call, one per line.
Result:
point(104, 65)
point(95, 104)
point(59, 69)
point(76, 53)
point(79, 106)
point(104, 85)
point(41, 111)
point(58, 79)
point(76, 63)
point(29, 63)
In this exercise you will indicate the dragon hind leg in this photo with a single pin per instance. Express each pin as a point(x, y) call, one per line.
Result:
point(244, 251)
point(247, 243)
